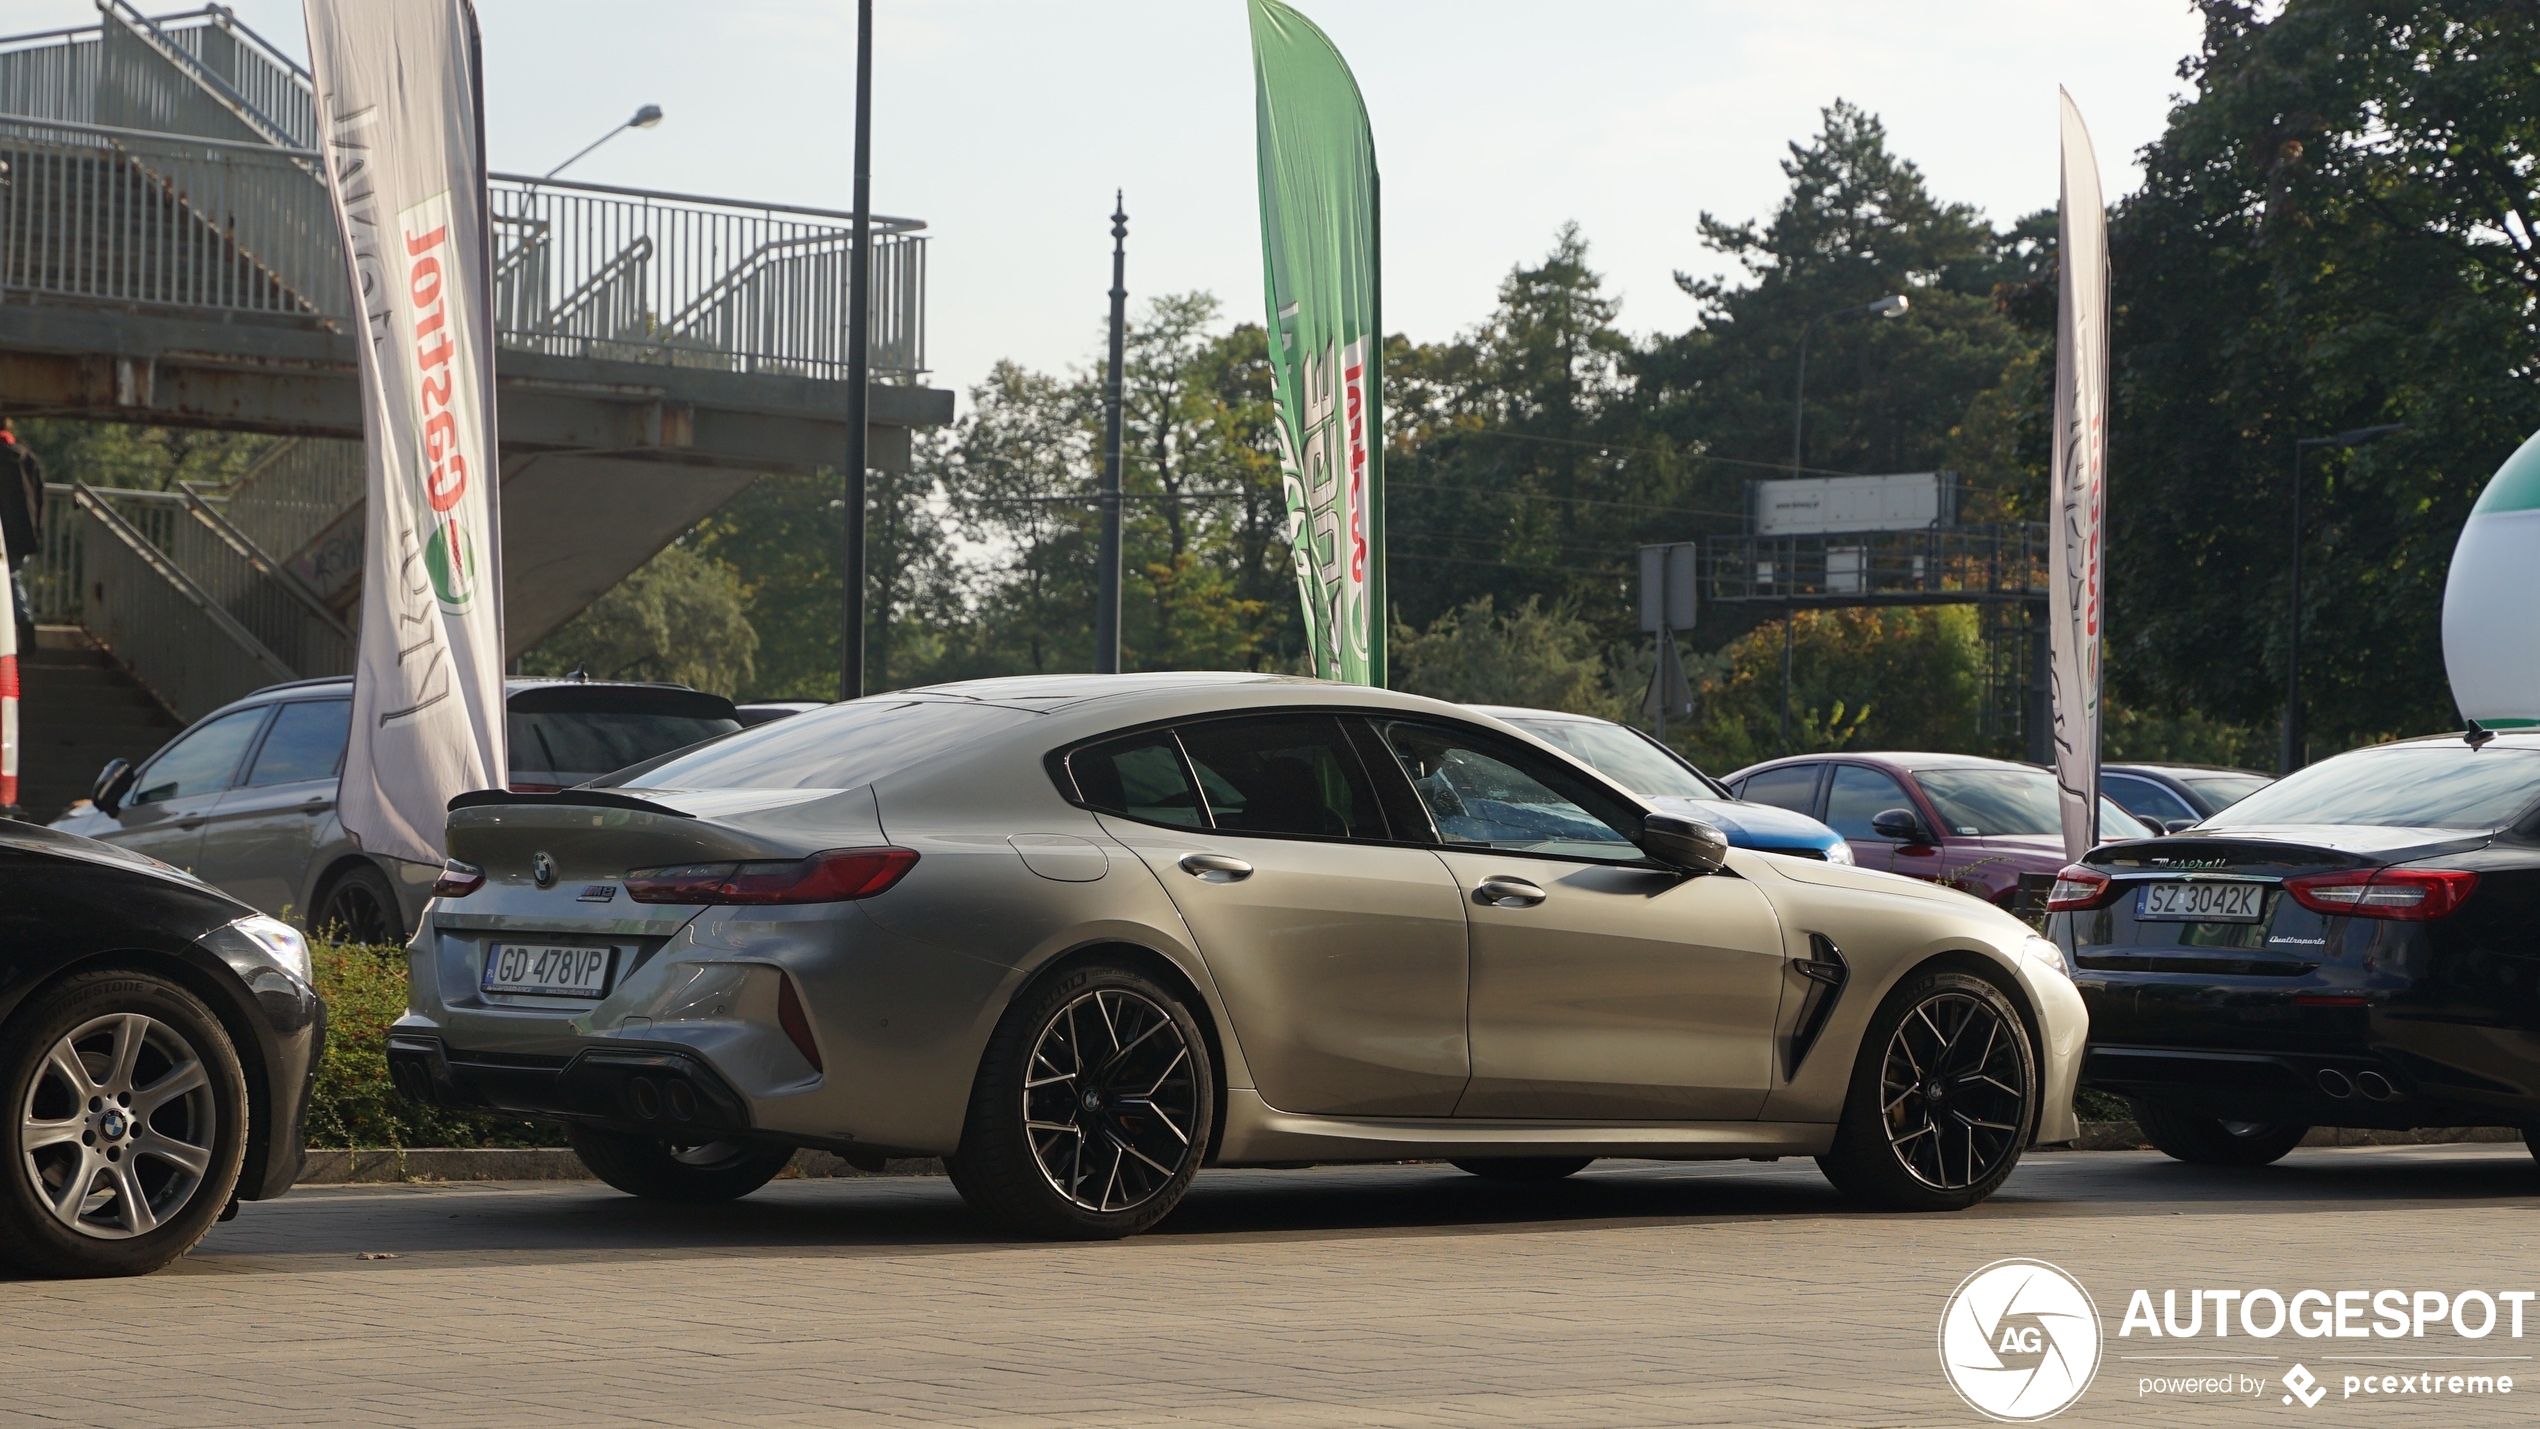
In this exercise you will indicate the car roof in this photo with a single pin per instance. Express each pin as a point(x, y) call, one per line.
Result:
point(2142, 767)
point(1053, 692)
point(1518, 712)
point(1909, 760)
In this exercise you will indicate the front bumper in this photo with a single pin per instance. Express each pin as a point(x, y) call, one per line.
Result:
point(624, 1086)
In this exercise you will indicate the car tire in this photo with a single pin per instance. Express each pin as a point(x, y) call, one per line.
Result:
point(1934, 1121)
point(2212, 1141)
point(1092, 1109)
point(703, 1174)
point(1538, 1169)
point(359, 906)
point(123, 1084)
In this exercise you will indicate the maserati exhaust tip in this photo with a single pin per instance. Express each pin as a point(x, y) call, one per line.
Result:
point(2375, 1086)
point(2333, 1082)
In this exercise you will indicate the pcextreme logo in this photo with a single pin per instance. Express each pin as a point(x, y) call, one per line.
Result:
point(2020, 1341)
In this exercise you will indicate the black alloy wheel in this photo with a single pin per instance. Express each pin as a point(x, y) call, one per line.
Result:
point(2213, 1141)
point(1943, 1097)
point(126, 1125)
point(359, 907)
point(1092, 1110)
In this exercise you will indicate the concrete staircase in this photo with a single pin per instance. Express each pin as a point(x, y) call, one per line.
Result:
point(76, 710)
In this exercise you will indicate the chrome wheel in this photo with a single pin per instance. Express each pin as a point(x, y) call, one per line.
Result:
point(118, 1126)
point(1110, 1100)
point(1954, 1091)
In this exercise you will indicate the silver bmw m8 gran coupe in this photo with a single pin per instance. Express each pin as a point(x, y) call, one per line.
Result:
point(1082, 936)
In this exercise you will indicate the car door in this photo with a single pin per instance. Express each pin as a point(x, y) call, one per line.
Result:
point(1858, 794)
point(262, 835)
point(1604, 987)
point(1339, 950)
point(175, 793)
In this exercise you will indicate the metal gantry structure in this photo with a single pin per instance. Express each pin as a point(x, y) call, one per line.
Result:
point(168, 255)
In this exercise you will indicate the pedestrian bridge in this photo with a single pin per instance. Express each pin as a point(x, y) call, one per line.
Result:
point(168, 256)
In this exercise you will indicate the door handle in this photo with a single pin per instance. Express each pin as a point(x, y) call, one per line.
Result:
point(191, 822)
point(1502, 891)
point(1216, 867)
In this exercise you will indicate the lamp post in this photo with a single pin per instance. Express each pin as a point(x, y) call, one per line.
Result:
point(1107, 573)
point(645, 118)
point(1890, 306)
point(859, 365)
point(2290, 757)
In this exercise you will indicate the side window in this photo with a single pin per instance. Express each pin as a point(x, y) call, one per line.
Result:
point(1792, 787)
point(307, 742)
point(203, 762)
point(1483, 793)
point(1283, 774)
point(2144, 799)
point(1858, 796)
point(1141, 776)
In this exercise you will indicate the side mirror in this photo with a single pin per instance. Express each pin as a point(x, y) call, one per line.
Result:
point(1689, 844)
point(1898, 825)
point(113, 782)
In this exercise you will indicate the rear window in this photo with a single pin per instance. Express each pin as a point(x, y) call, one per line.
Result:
point(835, 747)
point(2225, 790)
point(2445, 786)
point(572, 747)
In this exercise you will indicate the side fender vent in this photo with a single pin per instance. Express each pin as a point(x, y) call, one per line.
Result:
point(1824, 973)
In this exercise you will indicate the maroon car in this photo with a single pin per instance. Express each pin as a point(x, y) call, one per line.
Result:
point(1974, 824)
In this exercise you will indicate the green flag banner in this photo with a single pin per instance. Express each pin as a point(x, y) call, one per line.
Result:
point(1318, 248)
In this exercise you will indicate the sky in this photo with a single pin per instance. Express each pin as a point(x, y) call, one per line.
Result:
point(1006, 125)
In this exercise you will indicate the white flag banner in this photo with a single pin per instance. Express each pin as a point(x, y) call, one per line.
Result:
point(401, 122)
point(2075, 567)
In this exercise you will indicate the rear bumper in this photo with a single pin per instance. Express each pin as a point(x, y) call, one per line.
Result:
point(2371, 1087)
point(655, 1089)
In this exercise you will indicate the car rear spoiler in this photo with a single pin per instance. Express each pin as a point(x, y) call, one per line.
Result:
point(581, 798)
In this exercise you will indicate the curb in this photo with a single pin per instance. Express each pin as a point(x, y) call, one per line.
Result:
point(2126, 1136)
point(529, 1163)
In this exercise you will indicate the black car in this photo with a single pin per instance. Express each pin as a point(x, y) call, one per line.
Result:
point(158, 1040)
point(2169, 796)
point(2357, 944)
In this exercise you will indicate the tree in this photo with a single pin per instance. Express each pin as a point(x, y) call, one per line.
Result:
point(1534, 656)
point(679, 617)
point(1867, 679)
point(2334, 232)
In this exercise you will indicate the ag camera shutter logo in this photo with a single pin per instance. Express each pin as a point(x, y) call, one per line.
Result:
point(2020, 1341)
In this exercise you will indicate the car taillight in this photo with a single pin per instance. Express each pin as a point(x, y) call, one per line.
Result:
point(458, 880)
point(830, 877)
point(2417, 894)
point(2077, 888)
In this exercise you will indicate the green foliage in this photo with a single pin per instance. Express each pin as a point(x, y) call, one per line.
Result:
point(155, 458)
point(2333, 233)
point(354, 1104)
point(1861, 679)
point(1538, 657)
point(2185, 736)
point(678, 617)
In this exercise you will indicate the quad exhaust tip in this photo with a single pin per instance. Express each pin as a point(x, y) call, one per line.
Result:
point(2333, 1082)
point(650, 1099)
point(2375, 1086)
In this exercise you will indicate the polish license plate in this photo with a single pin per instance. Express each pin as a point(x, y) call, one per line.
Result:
point(2201, 902)
point(541, 970)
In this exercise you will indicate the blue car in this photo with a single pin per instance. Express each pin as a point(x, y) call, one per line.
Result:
point(1660, 775)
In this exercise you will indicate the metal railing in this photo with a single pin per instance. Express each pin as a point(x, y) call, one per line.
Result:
point(169, 161)
point(294, 492)
point(169, 632)
point(1941, 565)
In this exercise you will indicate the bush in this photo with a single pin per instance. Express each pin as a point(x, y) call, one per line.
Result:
point(354, 1106)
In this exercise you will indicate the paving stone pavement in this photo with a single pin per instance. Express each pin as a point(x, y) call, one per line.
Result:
point(1636, 1294)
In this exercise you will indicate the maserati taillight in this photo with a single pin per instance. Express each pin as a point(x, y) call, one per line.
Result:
point(2415, 894)
point(2077, 889)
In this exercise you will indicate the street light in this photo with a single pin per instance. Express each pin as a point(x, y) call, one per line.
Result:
point(645, 118)
point(2290, 757)
point(1887, 307)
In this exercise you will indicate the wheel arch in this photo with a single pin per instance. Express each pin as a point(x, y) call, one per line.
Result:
point(1172, 974)
point(1991, 969)
point(321, 887)
point(227, 1003)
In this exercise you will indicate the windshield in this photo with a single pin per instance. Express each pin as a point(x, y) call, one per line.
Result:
point(834, 747)
point(1988, 803)
point(560, 747)
point(2225, 790)
point(1621, 756)
point(2447, 785)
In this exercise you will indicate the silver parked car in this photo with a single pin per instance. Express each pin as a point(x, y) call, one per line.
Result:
point(245, 798)
point(1083, 935)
